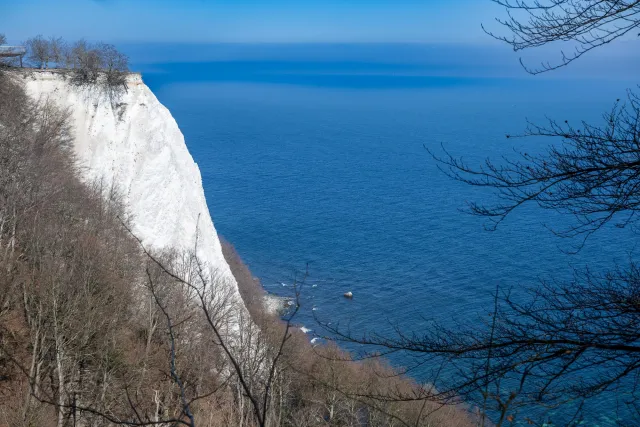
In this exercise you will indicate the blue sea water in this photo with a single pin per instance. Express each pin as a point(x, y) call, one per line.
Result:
point(324, 163)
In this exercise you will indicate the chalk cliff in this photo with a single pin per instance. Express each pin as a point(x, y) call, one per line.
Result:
point(135, 143)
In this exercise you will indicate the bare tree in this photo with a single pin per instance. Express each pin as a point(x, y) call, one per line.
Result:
point(39, 51)
point(101, 68)
point(78, 51)
point(3, 39)
point(239, 341)
point(116, 68)
point(57, 48)
point(87, 63)
point(113, 61)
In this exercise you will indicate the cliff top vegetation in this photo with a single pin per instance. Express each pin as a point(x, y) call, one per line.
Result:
point(88, 63)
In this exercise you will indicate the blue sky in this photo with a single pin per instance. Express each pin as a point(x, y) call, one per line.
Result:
point(148, 30)
point(250, 21)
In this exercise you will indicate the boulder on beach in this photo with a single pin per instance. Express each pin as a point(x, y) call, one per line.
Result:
point(276, 305)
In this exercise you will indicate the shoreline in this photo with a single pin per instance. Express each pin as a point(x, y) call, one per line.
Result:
point(274, 304)
point(260, 303)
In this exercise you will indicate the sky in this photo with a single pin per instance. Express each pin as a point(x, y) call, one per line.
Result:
point(251, 21)
point(152, 31)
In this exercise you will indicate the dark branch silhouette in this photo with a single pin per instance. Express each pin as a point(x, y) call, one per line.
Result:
point(593, 173)
point(565, 343)
point(584, 24)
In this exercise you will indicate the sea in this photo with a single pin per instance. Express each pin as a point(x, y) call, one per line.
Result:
point(316, 166)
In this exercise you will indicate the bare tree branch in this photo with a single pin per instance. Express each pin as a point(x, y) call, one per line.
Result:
point(586, 24)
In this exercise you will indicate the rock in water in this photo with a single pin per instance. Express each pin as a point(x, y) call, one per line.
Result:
point(348, 295)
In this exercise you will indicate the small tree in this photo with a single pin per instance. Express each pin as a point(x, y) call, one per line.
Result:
point(77, 53)
point(87, 62)
point(39, 51)
point(57, 48)
point(3, 39)
point(115, 63)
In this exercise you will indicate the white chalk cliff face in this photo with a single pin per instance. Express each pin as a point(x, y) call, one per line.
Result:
point(138, 146)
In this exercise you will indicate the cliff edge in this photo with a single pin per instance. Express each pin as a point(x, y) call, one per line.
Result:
point(135, 143)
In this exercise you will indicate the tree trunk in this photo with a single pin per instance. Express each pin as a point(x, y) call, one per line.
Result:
point(59, 368)
point(60, 387)
point(32, 374)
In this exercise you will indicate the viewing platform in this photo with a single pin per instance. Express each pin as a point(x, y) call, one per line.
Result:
point(12, 51)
